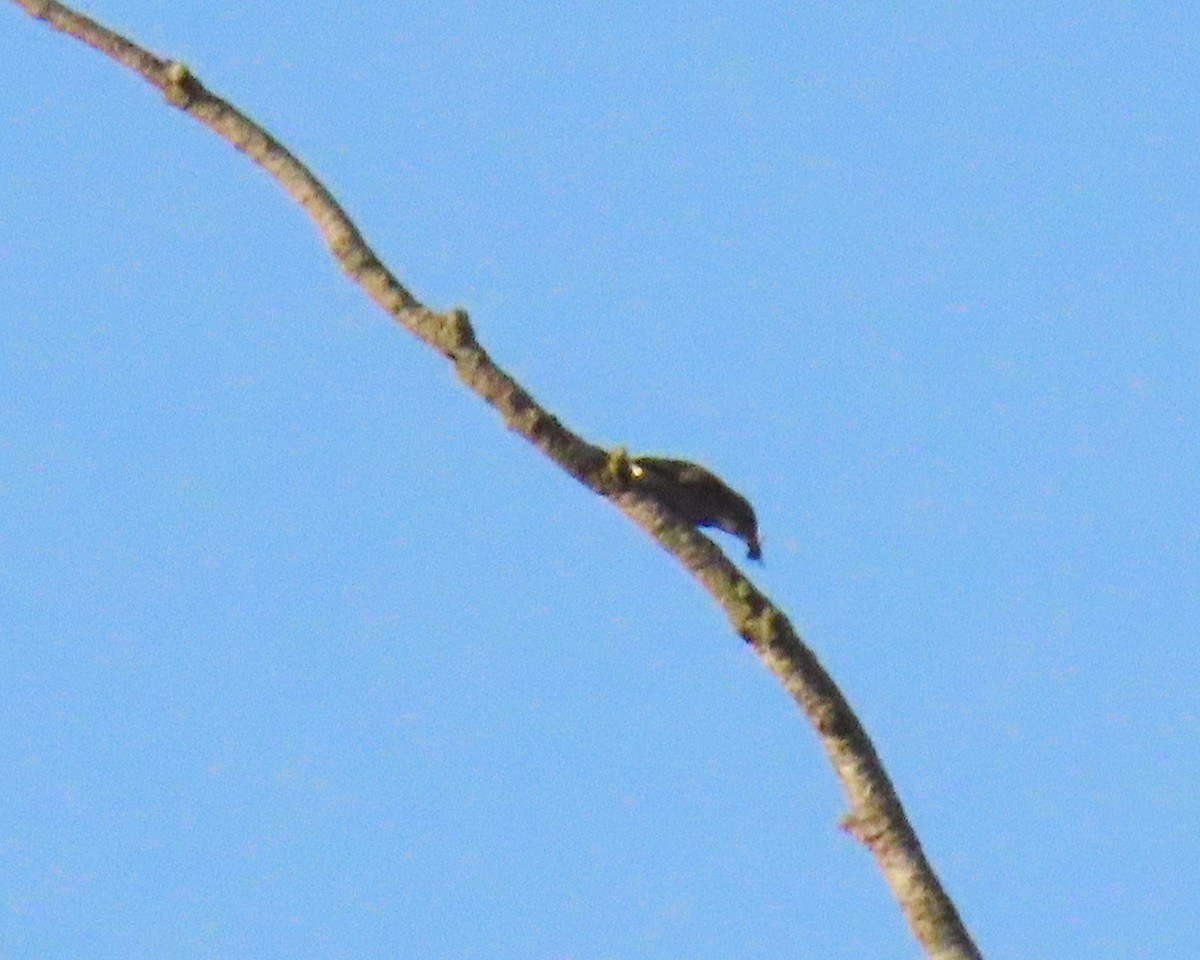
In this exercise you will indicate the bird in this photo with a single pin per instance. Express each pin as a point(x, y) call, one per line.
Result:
point(698, 496)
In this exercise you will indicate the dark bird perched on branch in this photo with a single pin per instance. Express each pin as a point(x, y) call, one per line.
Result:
point(698, 496)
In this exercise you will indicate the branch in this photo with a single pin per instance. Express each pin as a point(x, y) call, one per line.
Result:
point(876, 817)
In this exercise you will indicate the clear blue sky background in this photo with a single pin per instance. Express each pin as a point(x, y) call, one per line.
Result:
point(303, 655)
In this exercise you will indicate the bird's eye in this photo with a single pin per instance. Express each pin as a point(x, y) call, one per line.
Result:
point(635, 471)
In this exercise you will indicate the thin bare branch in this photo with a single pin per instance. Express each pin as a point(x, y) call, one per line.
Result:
point(876, 817)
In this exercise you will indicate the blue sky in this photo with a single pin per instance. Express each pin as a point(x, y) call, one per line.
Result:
point(304, 655)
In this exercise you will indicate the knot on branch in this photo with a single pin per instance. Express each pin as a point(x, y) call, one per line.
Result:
point(457, 332)
point(179, 85)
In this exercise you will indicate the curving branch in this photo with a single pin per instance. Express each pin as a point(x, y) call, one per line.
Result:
point(876, 817)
